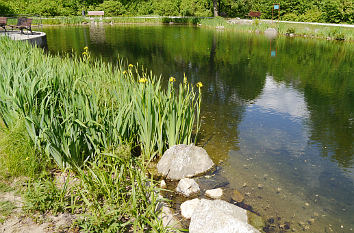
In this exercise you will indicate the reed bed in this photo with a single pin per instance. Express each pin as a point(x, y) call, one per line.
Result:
point(100, 123)
point(76, 107)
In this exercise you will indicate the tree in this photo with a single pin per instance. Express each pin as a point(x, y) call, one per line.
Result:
point(215, 8)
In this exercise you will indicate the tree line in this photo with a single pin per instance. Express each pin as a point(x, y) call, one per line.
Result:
point(332, 11)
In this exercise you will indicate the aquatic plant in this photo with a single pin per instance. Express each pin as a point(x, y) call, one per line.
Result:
point(75, 107)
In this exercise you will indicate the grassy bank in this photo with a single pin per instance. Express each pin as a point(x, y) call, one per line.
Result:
point(78, 20)
point(293, 29)
point(96, 125)
point(305, 30)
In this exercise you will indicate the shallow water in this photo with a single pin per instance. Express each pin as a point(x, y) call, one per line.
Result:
point(278, 115)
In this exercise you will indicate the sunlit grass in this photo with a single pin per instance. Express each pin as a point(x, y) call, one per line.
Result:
point(317, 31)
point(75, 107)
point(100, 124)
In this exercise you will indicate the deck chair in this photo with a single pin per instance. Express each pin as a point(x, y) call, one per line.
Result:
point(23, 23)
point(3, 22)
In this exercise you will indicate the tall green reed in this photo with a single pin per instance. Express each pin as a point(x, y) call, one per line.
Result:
point(76, 107)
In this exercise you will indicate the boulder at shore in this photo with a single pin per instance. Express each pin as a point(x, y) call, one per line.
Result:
point(218, 216)
point(181, 161)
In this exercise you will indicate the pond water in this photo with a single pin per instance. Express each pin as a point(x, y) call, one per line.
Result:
point(278, 115)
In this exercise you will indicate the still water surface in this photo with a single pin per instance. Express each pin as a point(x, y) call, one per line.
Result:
point(278, 115)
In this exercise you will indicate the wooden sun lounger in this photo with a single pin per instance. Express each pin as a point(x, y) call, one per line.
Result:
point(23, 23)
point(3, 22)
point(254, 14)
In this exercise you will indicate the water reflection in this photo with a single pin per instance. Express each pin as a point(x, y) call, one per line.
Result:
point(278, 97)
point(290, 118)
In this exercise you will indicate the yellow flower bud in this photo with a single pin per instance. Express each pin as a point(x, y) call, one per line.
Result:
point(199, 84)
point(172, 79)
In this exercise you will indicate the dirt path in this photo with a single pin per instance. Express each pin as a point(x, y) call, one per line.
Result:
point(18, 222)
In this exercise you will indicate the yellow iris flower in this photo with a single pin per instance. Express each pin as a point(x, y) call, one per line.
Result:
point(143, 80)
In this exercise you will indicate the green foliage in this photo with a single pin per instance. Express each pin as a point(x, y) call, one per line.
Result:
point(290, 17)
point(111, 194)
point(334, 11)
point(18, 156)
point(312, 15)
point(117, 196)
point(290, 30)
point(336, 34)
point(200, 8)
point(76, 107)
point(111, 8)
point(44, 196)
point(6, 208)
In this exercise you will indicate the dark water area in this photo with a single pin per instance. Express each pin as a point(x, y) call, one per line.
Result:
point(277, 115)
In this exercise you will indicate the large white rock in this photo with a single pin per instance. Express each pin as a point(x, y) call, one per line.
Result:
point(219, 216)
point(214, 193)
point(187, 187)
point(181, 161)
point(188, 207)
point(271, 33)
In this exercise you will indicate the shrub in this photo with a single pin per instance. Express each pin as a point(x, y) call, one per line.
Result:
point(312, 15)
point(290, 17)
point(111, 8)
point(290, 30)
point(336, 34)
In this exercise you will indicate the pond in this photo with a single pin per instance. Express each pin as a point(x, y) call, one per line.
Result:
point(277, 115)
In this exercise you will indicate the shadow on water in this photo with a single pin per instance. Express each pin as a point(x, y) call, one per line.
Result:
point(277, 114)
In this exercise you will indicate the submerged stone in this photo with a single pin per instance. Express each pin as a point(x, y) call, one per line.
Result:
point(187, 187)
point(237, 196)
point(255, 220)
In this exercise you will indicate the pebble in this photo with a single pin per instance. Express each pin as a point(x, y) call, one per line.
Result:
point(260, 186)
point(278, 190)
point(311, 221)
point(237, 196)
point(214, 193)
point(244, 185)
point(307, 204)
point(163, 184)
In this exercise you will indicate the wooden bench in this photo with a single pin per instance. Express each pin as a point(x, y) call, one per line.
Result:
point(95, 13)
point(3, 22)
point(254, 14)
point(23, 23)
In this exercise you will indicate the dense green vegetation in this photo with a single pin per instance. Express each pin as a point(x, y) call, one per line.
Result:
point(334, 11)
point(101, 123)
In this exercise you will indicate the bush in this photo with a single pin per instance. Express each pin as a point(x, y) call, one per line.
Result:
point(336, 34)
point(312, 15)
point(290, 17)
point(200, 8)
point(111, 8)
point(290, 30)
